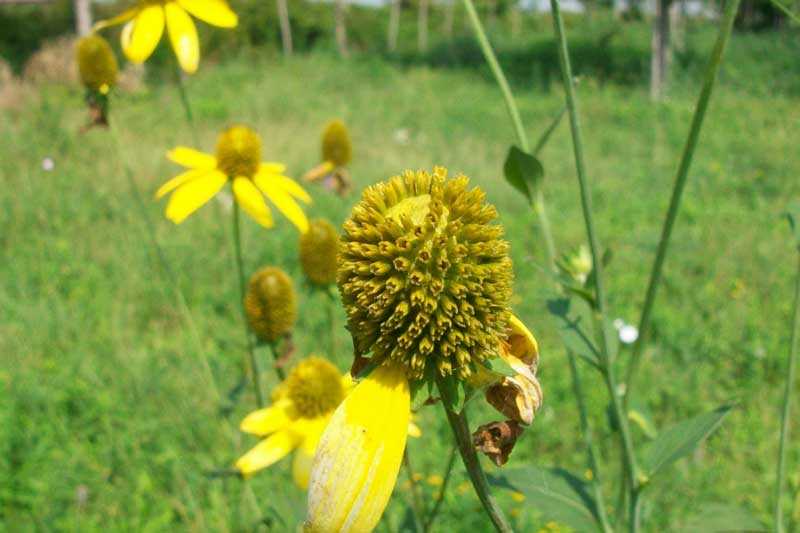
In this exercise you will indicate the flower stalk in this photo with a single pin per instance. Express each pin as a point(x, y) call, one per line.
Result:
point(445, 481)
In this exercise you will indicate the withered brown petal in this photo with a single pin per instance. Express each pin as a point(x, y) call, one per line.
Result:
point(497, 439)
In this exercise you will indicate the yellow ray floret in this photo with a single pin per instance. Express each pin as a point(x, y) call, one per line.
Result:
point(144, 27)
point(358, 457)
point(238, 162)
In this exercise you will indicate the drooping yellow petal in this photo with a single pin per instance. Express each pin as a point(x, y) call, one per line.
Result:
point(285, 204)
point(358, 457)
point(125, 34)
point(266, 178)
point(188, 198)
point(248, 196)
point(148, 26)
point(272, 168)
point(301, 469)
point(183, 36)
point(268, 420)
point(214, 12)
point(179, 180)
point(191, 158)
point(125, 16)
point(266, 452)
point(520, 350)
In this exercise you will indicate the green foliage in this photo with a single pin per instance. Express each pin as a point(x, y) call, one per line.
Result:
point(721, 517)
point(523, 172)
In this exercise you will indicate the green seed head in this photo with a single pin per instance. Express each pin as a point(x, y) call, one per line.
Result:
point(239, 152)
point(270, 304)
point(336, 145)
point(318, 248)
point(424, 277)
point(96, 63)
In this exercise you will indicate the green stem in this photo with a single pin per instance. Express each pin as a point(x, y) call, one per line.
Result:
point(447, 472)
point(712, 70)
point(331, 307)
point(417, 504)
point(172, 279)
point(275, 360)
point(251, 366)
point(594, 245)
point(786, 11)
point(516, 121)
point(187, 109)
point(787, 400)
point(586, 432)
point(458, 421)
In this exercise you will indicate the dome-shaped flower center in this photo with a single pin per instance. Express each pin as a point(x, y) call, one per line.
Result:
point(270, 303)
point(239, 152)
point(97, 64)
point(318, 249)
point(336, 145)
point(424, 276)
point(314, 387)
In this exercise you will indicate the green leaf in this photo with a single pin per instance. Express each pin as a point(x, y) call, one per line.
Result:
point(681, 439)
point(498, 366)
point(453, 393)
point(574, 328)
point(792, 214)
point(555, 493)
point(721, 517)
point(523, 172)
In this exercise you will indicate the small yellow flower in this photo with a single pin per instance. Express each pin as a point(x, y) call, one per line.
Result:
point(238, 161)
point(435, 480)
point(145, 26)
point(337, 152)
point(301, 407)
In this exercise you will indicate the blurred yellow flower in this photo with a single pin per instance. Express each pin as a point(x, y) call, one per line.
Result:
point(145, 26)
point(238, 161)
point(300, 410)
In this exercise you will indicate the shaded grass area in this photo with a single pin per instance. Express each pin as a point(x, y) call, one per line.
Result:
point(107, 418)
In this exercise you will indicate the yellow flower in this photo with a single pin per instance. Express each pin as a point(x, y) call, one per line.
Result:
point(426, 281)
point(145, 26)
point(238, 161)
point(300, 410)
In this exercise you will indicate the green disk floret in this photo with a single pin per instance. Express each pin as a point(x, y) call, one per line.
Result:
point(424, 276)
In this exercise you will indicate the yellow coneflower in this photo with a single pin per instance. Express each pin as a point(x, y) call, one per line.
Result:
point(237, 161)
point(96, 64)
point(337, 152)
point(145, 26)
point(270, 304)
point(318, 250)
point(301, 407)
point(426, 282)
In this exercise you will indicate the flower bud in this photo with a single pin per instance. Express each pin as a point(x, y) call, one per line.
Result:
point(270, 304)
point(318, 249)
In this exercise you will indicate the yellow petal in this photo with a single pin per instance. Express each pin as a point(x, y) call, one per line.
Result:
point(520, 350)
point(266, 452)
point(191, 158)
point(147, 29)
point(179, 180)
point(267, 420)
point(301, 469)
point(358, 457)
point(284, 202)
point(188, 198)
point(183, 36)
point(274, 179)
point(125, 16)
point(272, 168)
point(214, 12)
point(251, 201)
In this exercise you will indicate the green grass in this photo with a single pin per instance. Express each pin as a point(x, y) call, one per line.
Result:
point(107, 418)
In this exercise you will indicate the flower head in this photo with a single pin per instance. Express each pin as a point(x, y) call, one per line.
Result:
point(318, 249)
point(301, 407)
point(96, 63)
point(425, 278)
point(270, 304)
point(336, 146)
point(238, 161)
point(145, 26)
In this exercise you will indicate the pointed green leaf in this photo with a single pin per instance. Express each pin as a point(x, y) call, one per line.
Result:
point(523, 172)
point(555, 493)
point(453, 392)
point(721, 517)
point(681, 439)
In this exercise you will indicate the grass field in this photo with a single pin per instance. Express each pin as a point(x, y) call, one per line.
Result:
point(108, 417)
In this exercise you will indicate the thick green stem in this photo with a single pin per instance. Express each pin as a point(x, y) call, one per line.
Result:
point(787, 401)
point(516, 121)
point(586, 432)
point(712, 70)
point(594, 245)
point(251, 367)
point(458, 421)
point(442, 491)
